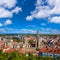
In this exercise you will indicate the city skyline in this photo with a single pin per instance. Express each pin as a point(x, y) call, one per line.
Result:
point(28, 16)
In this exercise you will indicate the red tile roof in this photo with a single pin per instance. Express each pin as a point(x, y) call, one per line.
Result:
point(21, 51)
point(50, 50)
point(10, 50)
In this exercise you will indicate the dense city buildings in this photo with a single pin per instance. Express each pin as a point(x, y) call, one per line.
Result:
point(35, 44)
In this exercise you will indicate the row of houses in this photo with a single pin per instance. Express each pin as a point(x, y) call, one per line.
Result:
point(52, 52)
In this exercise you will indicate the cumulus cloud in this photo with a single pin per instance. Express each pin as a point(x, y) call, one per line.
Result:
point(29, 18)
point(41, 10)
point(5, 5)
point(55, 20)
point(7, 22)
point(16, 10)
point(8, 3)
point(7, 9)
point(5, 13)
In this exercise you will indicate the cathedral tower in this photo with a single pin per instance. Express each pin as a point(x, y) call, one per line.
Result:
point(38, 38)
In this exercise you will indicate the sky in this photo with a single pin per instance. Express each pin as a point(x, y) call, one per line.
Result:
point(28, 16)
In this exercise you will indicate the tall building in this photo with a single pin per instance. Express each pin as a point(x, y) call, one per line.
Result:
point(26, 42)
point(38, 38)
point(6, 42)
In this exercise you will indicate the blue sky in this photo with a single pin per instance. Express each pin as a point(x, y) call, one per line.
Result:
point(28, 16)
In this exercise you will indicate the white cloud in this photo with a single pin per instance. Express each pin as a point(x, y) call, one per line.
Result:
point(7, 22)
point(43, 11)
point(29, 18)
point(5, 13)
point(7, 9)
point(40, 11)
point(55, 20)
point(17, 10)
point(5, 5)
point(8, 3)
point(1, 24)
point(56, 4)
